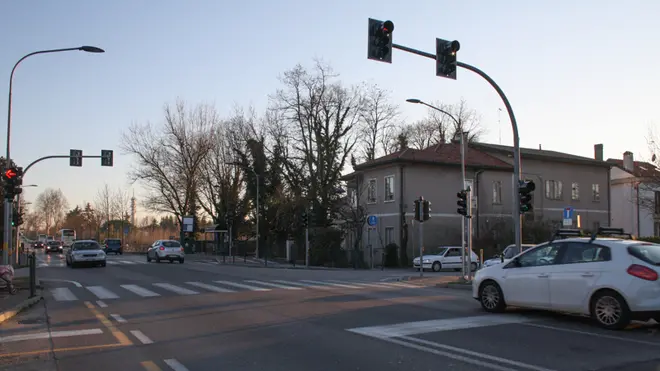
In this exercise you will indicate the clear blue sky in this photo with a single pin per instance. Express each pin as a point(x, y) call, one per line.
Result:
point(576, 72)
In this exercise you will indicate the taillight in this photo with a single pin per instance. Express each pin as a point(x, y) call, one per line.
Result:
point(642, 272)
point(162, 248)
point(182, 249)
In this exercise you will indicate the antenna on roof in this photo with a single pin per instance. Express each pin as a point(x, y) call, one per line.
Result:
point(499, 123)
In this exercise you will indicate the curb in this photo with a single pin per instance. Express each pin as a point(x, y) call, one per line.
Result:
point(25, 304)
point(455, 286)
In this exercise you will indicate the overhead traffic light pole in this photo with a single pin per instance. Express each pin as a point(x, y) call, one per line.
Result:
point(445, 56)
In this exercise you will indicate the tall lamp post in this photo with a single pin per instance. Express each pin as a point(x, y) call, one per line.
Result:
point(8, 201)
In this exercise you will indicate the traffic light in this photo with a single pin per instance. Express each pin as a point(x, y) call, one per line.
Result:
point(426, 210)
point(380, 40)
point(75, 157)
point(525, 189)
point(106, 157)
point(13, 181)
point(17, 218)
point(417, 210)
point(445, 58)
point(462, 203)
point(304, 220)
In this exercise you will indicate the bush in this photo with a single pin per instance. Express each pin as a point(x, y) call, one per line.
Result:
point(653, 239)
point(326, 248)
point(391, 255)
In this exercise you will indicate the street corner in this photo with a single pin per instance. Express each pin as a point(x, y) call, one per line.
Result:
point(12, 305)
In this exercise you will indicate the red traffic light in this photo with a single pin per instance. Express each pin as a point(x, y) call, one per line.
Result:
point(388, 26)
point(10, 173)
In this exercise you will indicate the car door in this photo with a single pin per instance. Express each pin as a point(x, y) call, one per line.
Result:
point(577, 272)
point(452, 258)
point(526, 279)
point(150, 252)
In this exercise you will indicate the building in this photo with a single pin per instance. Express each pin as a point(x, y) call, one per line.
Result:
point(635, 202)
point(387, 187)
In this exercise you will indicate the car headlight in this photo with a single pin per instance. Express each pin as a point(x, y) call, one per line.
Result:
point(426, 261)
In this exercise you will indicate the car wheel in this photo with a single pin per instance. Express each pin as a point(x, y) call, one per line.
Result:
point(436, 267)
point(474, 267)
point(610, 310)
point(181, 261)
point(148, 259)
point(491, 297)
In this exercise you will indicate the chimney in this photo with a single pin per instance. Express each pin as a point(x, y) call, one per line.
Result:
point(628, 161)
point(598, 152)
point(540, 148)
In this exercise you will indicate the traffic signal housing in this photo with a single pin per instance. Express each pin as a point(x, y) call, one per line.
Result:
point(107, 157)
point(426, 210)
point(445, 58)
point(304, 219)
point(75, 157)
point(462, 203)
point(380, 40)
point(13, 181)
point(17, 217)
point(525, 190)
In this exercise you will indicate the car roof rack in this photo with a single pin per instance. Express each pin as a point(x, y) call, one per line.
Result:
point(566, 233)
point(611, 232)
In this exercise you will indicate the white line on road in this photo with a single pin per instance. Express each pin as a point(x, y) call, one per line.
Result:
point(333, 284)
point(175, 289)
point(208, 287)
point(111, 262)
point(102, 293)
point(101, 304)
point(274, 285)
point(127, 262)
point(118, 318)
point(604, 336)
point(63, 294)
point(142, 337)
point(46, 335)
point(175, 365)
point(75, 283)
point(140, 291)
point(242, 286)
point(397, 284)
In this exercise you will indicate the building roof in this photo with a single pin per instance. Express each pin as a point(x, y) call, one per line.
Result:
point(440, 154)
point(640, 169)
point(541, 154)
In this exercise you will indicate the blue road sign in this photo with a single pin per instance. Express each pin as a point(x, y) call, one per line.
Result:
point(372, 220)
point(125, 230)
point(568, 213)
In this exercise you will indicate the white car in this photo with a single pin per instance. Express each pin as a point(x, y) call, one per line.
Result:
point(85, 252)
point(612, 280)
point(508, 254)
point(445, 257)
point(166, 250)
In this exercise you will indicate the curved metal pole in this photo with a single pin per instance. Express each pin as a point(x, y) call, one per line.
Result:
point(41, 159)
point(442, 111)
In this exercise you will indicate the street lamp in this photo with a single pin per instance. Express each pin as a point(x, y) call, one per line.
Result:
point(8, 202)
point(417, 101)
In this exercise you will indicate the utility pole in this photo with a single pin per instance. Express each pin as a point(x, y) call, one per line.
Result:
point(421, 236)
point(469, 201)
point(469, 236)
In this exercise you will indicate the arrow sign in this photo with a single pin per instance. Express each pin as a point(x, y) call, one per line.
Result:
point(10, 173)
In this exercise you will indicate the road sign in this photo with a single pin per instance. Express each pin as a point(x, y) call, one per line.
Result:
point(372, 220)
point(188, 222)
point(568, 213)
point(75, 157)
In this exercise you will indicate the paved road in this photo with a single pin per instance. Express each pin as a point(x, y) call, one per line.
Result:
point(211, 317)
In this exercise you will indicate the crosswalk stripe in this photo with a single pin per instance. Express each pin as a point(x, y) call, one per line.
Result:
point(333, 284)
point(397, 284)
point(208, 287)
point(102, 293)
point(126, 262)
point(294, 283)
point(63, 294)
point(378, 285)
point(242, 286)
point(140, 291)
point(274, 285)
point(111, 262)
point(175, 289)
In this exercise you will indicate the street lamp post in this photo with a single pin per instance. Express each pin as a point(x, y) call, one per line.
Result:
point(465, 256)
point(8, 202)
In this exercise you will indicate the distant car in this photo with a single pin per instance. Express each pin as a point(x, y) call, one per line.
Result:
point(445, 257)
point(506, 255)
point(54, 246)
point(112, 245)
point(166, 250)
point(85, 252)
point(38, 245)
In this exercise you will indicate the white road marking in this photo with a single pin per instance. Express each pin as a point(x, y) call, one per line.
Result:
point(102, 293)
point(140, 291)
point(75, 283)
point(333, 284)
point(52, 334)
point(604, 336)
point(63, 294)
point(142, 337)
point(175, 365)
point(295, 283)
point(126, 262)
point(101, 304)
point(118, 318)
point(274, 285)
point(111, 262)
point(242, 286)
point(398, 284)
point(208, 287)
point(175, 289)
point(425, 327)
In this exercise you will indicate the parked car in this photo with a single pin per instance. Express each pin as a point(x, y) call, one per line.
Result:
point(508, 254)
point(611, 279)
point(54, 246)
point(85, 252)
point(445, 257)
point(166, 250)
point(112, 245)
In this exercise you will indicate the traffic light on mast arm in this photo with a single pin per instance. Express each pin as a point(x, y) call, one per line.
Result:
point(462, 203)
point(426, 210)
point(380, 40)
point(445, 58)
point(13, 181)
point(525, 189)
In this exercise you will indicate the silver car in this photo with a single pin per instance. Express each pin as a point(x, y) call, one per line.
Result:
point(85, 252)
point(166, 250)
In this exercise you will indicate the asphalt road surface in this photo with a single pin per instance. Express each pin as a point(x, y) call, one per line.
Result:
point(203, 316)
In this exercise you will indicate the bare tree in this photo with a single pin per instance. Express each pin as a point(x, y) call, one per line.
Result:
point(103, 205)
point(52, 205)
point(469, 120)
point(169, 159)
point(378, 122)
point(421, 134)
point(121, 204)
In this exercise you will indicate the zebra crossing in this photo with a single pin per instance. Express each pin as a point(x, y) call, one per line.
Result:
point(161, 289)
point(113, 262)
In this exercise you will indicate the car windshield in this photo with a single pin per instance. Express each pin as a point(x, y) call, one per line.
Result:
point(436, 251)
point(647, 252)
point(88, 245)
point(171, 244)
point(510, 252)
point(54, 243)
point(113, 242)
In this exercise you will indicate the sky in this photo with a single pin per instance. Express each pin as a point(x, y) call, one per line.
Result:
point(576, 73)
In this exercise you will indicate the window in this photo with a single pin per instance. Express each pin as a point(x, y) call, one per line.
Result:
point(371, 192)
point(453, 252)
point(389, 235)
point(88, 245)
point(497, 192)
point(575, 191)
point(389, 188)
point(553, 189)
point(595, 192)
point(577, 252)
point(647, 252)
point(657, 202)
point(543, 255)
